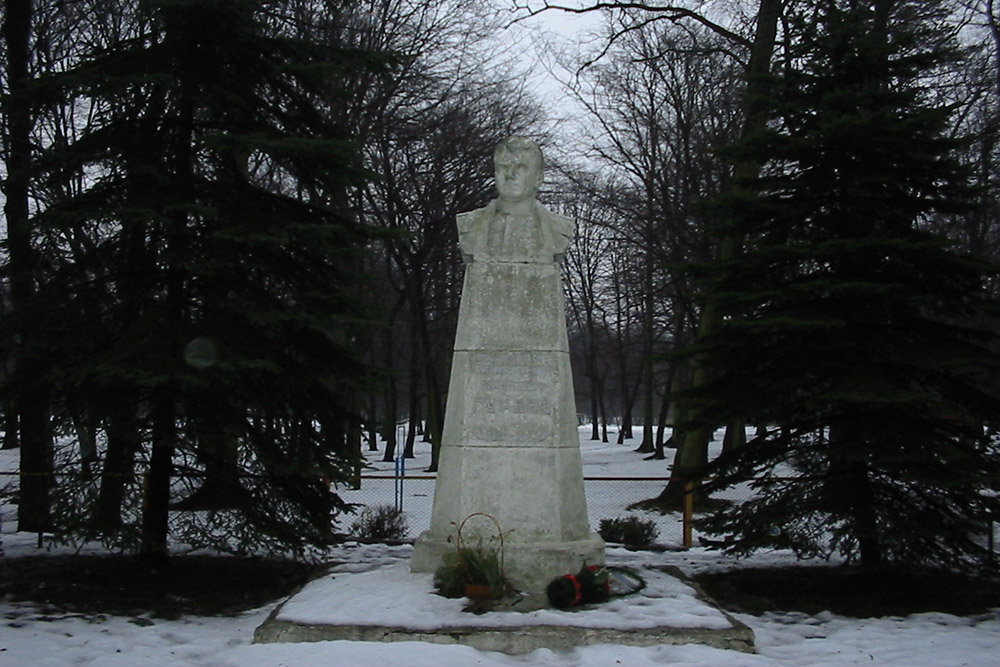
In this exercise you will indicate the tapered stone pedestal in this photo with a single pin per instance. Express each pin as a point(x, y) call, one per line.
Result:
point(510, 447)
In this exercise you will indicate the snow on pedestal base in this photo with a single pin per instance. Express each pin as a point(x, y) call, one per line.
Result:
point(389, 603)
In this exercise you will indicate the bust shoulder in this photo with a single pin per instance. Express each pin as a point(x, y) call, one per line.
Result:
point(469, 219)
point(558, 223)
point(471, 230)
point(561, 230)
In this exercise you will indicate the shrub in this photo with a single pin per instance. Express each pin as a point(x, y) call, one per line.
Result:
point(381, 522)
point(629, 530)
point(470, 566)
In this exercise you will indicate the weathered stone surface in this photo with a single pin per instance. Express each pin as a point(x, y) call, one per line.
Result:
point(512, 306)
point(510, 446)
point(514, 641)
point(511, 398)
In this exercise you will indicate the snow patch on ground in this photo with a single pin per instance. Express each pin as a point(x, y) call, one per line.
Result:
point(32, 635)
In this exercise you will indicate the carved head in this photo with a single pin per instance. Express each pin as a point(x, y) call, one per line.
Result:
point(518, 165)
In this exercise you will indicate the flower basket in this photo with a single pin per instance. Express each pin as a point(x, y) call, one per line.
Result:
point(476, 571)
point(481, 592)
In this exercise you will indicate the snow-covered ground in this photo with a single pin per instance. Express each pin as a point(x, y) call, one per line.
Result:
point(33, 636)
point(615, 477)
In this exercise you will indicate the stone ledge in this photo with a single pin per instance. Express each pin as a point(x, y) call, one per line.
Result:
point(513, 640)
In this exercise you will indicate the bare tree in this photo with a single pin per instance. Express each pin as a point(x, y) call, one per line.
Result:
point(662, 99)
point(431, 145)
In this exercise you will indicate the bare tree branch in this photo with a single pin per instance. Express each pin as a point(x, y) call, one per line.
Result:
point(662, 13)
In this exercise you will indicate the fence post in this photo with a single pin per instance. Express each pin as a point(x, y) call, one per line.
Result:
point(400, 471)
point(688, 513)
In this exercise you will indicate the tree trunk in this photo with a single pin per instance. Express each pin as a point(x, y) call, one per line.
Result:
point(372, 422)
point(604, 415)
point(661, 426)
point(625, 425)
point(692, 449)
point(863, 506)
point(123, 442)
point(389, 424)
point(85, 425)
point(156, 509)
point(849, 479)
point(435, 402)
point(218, 441)
point(595, 384)
point(391, 405)
point(595, 429)
point(736, 436)
point(415, 420)
point(415, 415)
point(435, 418)
point(36, 476)
point(411, 438)
point(648, 444)
point(31, 404)
point(354, 443)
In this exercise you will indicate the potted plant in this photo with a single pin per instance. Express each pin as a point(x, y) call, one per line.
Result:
point(473, 571)
point(470, 571)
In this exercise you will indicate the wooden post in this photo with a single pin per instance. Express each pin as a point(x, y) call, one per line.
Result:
point(688, 513)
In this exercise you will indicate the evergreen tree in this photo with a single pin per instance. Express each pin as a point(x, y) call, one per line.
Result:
point(29, 409)
point(856, 337)
point(207, 317)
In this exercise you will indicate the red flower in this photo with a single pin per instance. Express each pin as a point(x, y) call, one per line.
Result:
point(577, 591)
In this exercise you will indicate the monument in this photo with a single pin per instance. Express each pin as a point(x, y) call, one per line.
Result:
point(511, 450)
point(510, 446)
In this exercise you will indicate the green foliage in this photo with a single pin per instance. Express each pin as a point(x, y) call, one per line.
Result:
point(861, 341)
point(476, 565)
point(199, 296)
point(381, 522)
point(629, 530)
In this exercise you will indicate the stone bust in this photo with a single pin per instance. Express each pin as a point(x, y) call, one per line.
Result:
point(515, 227)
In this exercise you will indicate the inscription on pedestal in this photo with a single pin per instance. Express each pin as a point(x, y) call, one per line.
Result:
point(510, 398)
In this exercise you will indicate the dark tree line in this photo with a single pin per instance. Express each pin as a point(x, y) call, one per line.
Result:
point(230, 256)
point(872, 335)
point(838, 294)
point(193, 269)
point(207, 205)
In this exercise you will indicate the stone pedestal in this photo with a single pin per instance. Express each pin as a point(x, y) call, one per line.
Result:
point(348, 604)
point(510, 446)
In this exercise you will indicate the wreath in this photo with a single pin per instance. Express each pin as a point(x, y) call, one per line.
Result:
point(592, 584)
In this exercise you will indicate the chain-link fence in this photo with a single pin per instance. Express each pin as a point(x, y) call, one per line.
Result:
point(607, 498)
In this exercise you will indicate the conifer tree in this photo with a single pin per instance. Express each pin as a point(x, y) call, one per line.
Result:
point(858, 339)
point(29, 407)
point(210, 300)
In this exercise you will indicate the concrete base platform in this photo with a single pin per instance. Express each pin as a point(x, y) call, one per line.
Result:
point(388, 603)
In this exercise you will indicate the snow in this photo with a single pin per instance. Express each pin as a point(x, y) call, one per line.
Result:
point(374, 598)
point(615, 478)
point(33, 635)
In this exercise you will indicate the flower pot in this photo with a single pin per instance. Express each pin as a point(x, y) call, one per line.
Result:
point(480, 592)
